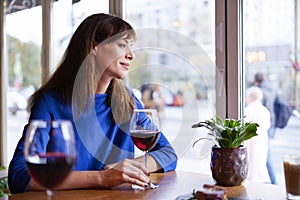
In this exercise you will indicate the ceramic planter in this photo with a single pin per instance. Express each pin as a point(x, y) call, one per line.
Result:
point(229, 166)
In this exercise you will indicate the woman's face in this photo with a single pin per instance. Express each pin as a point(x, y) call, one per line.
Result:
point(115, 57)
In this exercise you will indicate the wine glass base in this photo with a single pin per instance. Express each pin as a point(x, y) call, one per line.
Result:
point(49, 194)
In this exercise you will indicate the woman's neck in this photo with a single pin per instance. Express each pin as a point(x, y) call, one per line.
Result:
point(102, 86)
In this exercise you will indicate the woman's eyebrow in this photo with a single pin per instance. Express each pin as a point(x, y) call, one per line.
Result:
point(128, 41)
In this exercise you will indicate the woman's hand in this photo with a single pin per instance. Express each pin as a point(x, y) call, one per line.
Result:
point(127, 171)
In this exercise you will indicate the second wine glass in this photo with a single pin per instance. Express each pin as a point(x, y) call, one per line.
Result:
point(145, 131)
point(50, 152)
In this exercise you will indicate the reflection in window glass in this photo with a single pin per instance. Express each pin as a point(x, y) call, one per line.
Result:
point(175, 50)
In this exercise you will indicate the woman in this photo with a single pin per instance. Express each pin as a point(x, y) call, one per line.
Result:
point(87, 90)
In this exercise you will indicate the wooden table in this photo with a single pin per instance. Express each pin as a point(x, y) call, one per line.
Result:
point(172, 184)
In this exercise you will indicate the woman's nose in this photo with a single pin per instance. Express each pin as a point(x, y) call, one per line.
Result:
point(130, 55)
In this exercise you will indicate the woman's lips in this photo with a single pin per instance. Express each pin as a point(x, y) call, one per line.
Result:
point(125, 65)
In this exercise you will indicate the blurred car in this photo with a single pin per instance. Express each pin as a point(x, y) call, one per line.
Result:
point(173, 99)
point(16, 102)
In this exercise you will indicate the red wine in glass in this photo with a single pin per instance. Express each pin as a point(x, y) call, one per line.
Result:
point(144, 139)
point(52, 170)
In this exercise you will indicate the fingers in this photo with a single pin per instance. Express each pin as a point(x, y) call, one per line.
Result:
point(137, 176)
point(137, 166)
point(135, 170)
point(128, 171)
point(143, 182)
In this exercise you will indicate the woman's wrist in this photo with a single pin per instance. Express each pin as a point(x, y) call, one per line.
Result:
point(85, 179)
point(98, 178)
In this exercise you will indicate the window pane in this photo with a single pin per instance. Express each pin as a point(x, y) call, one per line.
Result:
point(175, 50)
point(269, 35)
point(24, 39)
point(270, 38)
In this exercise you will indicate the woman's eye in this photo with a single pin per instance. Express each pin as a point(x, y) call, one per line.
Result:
point(122, 45)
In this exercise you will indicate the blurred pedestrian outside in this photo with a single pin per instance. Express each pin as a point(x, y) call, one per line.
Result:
point(152, 97)
point(269, 96)
point(257, 147)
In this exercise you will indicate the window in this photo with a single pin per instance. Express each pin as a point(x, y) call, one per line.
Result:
point(24, 44)
point(175, 49)
point(269, 38)
point(271, 47)
point(24, 41)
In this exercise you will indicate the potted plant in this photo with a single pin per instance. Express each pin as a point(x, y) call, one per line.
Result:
point(229, 164)
point(4, 190)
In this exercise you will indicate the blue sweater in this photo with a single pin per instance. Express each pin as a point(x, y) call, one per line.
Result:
point(100, 141)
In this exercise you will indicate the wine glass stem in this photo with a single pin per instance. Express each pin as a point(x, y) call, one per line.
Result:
point(49, 194)
point(145, 159)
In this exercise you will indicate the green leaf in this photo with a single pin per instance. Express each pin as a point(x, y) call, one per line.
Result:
point(219, 119)
point(4, 190)
point(224, 143)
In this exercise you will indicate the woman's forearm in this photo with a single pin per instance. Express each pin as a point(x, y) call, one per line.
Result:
point(152, 165)
point(127, 171)
point(75, 180)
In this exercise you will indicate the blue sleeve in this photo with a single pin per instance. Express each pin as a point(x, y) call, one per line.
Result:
point(163, 152)
point(18, 176)
point(40, 109)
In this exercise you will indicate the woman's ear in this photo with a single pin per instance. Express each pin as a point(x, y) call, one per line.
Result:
point(95, 47)
point(94, 51)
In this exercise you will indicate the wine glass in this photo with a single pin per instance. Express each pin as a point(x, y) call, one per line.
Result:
point(145, 132)
point(50, 152)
